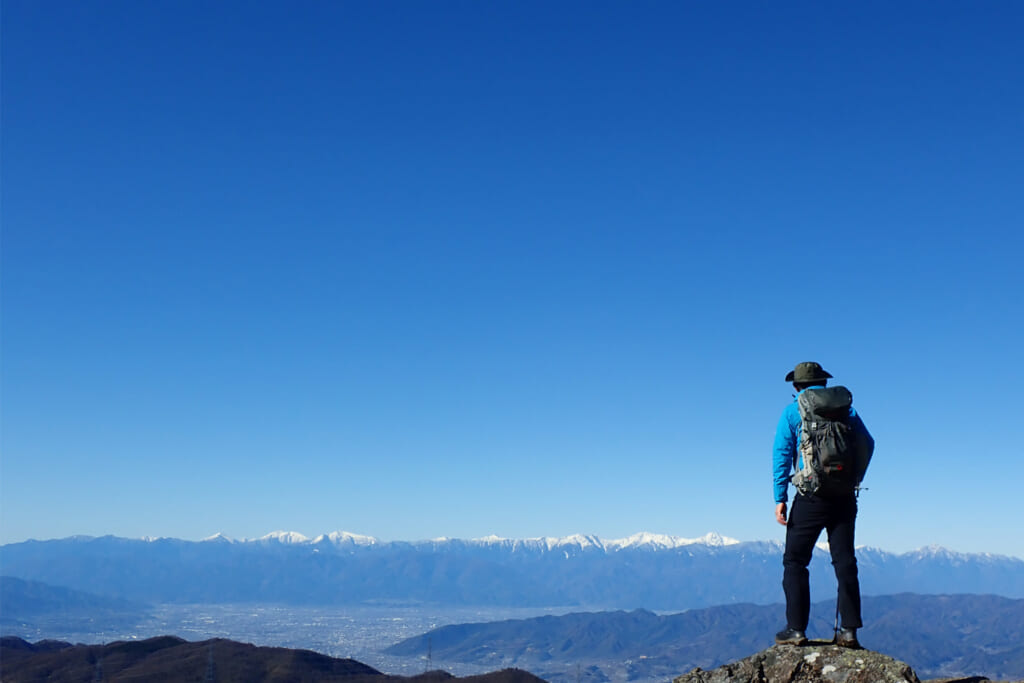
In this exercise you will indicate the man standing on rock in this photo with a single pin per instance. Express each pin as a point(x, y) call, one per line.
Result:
point(821, 435)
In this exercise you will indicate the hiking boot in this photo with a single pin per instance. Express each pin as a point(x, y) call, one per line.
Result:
point(791, 637)
point(847, 637)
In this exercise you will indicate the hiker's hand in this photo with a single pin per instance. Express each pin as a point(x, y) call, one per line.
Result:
point(780, 514)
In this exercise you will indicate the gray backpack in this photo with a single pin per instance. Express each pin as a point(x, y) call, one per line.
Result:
point(833, 458)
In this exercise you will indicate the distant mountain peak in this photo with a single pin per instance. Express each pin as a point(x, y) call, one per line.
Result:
point(662, 541)
point(345, 538)
point(218, 538)
point(289, 537)
point(713, 538)
point(581, 540)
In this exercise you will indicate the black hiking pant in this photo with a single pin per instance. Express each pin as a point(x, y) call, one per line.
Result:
point(811, 514)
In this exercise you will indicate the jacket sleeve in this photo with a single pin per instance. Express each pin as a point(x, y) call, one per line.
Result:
point(783, 453)
point(865, 444)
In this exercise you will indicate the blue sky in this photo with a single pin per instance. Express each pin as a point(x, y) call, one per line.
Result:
point(461, 268)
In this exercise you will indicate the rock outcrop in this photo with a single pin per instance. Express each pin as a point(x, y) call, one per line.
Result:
point(806, 664)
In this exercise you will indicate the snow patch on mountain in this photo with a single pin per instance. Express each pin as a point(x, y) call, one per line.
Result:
point(486, 540)
point(578, 540)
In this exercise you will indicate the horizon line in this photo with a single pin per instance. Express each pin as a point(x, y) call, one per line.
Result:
point(642, 538)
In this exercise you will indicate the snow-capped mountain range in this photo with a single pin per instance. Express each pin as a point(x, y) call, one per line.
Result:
point(654, 571)
point(643, 540)
point(639, 540)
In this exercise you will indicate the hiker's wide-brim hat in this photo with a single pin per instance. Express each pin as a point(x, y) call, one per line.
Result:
point(807, 372)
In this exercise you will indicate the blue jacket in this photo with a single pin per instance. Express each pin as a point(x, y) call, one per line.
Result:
point(785, 453)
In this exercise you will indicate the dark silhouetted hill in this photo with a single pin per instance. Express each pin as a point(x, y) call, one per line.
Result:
point(172, 660)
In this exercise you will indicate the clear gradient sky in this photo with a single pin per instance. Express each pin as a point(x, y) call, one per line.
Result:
point(419, 269)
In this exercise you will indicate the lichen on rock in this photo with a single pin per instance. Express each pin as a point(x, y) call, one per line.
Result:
point(806, 664)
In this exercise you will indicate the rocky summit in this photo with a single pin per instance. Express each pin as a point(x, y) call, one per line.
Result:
point(799, 664)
